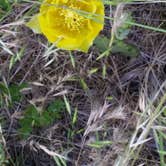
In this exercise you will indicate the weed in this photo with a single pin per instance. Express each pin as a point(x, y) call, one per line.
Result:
point(10, 94)
point(35, 118)
point(5, 7)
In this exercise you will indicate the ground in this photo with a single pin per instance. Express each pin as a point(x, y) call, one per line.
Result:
point(72, 108)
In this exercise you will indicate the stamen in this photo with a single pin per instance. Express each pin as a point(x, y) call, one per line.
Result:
point(72, 19)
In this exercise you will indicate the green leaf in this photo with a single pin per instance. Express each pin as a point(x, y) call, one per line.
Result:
point(83, 84)
point(59, 161)
point(72, 59)
point(100, 144)
point(118, 46)
point(26, 122)
point(34, 24)
point(124, 28)
point(16, 58)
point(74, 120)
point(11, 93)
point(67, 105)
point(44, 119)
point(164, 112)
point(4, 94)
point(34, 118)
point(104, 71)
point(56, 106)
point(25, 132)
point(102, 43)
point(4, 5)
point(4, 8)
point(15, 92)
point(123, 48)
point(115, 2)
point(93, 70)
point(31, 113)
point(162, 152)
point(3, 88)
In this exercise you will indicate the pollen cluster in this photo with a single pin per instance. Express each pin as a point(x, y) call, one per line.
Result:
point(72, 19)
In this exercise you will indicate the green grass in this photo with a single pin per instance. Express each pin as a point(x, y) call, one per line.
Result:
point(61, 110)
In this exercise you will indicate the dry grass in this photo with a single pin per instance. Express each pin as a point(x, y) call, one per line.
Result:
point(125, 107)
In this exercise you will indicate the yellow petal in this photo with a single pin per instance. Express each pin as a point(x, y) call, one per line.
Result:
point(66, 28)
point(34, 24)
point(70, 44)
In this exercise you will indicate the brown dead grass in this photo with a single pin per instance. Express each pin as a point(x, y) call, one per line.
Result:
point(114, 119)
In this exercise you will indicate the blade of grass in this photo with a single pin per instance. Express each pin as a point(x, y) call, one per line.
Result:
point(67, 105)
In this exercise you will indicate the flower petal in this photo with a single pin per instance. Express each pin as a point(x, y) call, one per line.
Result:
point(71, 44)
point(63, 23)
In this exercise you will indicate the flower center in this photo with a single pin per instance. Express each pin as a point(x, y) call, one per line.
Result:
point(72, 19)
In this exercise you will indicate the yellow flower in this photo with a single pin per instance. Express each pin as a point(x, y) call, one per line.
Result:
point(70, 24)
